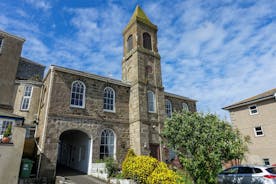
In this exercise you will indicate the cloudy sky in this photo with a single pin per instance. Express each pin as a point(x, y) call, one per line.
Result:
point(215, 51)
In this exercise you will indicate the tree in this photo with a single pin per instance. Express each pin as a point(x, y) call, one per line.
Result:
point(203, 143)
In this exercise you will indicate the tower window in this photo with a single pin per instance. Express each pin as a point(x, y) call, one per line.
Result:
point(78, 94)
point(147, 41)
point(151, 101)
point(129, 43)
point(109, 99)
point(25, 104)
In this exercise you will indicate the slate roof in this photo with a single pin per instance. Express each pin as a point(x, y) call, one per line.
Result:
point(260, 97)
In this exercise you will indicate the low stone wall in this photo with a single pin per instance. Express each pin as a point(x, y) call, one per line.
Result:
point(10, 156)
point(98, 170)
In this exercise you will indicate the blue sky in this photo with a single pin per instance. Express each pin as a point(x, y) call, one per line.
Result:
point(217, 52)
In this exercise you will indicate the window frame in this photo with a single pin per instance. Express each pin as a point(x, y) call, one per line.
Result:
point(168, 102)
point(114, 101)
point(83, 97)
point(255, 131)
point(250, 110)
point(185, 107)
point(3, 129)
point(114, 143)
point(128, 43)
point(29, 98)
point(145, 41)
point(266, 160)
point(153, 102)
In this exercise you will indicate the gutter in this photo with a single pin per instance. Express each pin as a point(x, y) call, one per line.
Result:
point(250, 102)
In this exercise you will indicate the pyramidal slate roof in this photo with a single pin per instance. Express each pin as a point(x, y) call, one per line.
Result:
point(139, 15)
point(260, 97)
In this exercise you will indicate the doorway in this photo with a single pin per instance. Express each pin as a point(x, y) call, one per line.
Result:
point(73, 151)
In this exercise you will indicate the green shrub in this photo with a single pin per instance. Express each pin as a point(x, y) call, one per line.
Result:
point(111, 167)
point(7, 133)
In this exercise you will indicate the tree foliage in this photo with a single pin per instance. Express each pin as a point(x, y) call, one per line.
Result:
point(203, 143)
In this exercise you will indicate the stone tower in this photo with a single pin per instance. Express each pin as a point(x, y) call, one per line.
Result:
point(141, 68)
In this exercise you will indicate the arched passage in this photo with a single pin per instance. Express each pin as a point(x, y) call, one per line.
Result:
point(74, 150)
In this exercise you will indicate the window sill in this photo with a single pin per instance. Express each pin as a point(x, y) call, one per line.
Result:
point(77, 107)
point(6, 144)
point(152, 112)
point(259, 135)
point(109, 111)
point(24, 110)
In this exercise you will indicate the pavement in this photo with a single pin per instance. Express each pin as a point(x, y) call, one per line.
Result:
point(67, 175)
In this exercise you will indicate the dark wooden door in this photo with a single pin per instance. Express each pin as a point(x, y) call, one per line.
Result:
point(155, 151)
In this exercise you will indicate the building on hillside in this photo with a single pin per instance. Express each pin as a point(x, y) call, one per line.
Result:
point(85, 117)
point(256, 117)
point(20, 83)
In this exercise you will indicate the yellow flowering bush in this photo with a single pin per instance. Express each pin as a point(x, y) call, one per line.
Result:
point(126, 165)
point(163, 175)
point(148, 170)
point(138, 167)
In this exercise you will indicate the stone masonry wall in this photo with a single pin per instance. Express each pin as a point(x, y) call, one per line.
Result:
point(92, 119)
point(93, 128)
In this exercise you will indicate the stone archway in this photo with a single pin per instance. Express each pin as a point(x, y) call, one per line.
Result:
point(74, 150)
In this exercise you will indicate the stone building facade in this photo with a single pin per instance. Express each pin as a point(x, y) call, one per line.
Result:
point(110, 116)
point(80, 118)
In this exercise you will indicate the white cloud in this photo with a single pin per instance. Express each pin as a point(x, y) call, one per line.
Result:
point(39, 4)
point(215, 52)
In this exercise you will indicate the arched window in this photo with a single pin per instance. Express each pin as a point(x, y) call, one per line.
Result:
point(168, 107)
point(78, 94)
point(185, 107)
point(107, 147)
point(151, 101)
point(146, 41)
point(109, 99)
point(129, 43)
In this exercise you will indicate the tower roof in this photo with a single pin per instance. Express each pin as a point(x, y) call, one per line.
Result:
point(139, 15)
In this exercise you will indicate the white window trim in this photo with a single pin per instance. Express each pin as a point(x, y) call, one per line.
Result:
point(250, 110)
point(83, 98)
point(168, 101)
point(154, 102)
point(256, 131)
point(115, 141)
point(114, 101)
point(29, 97)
